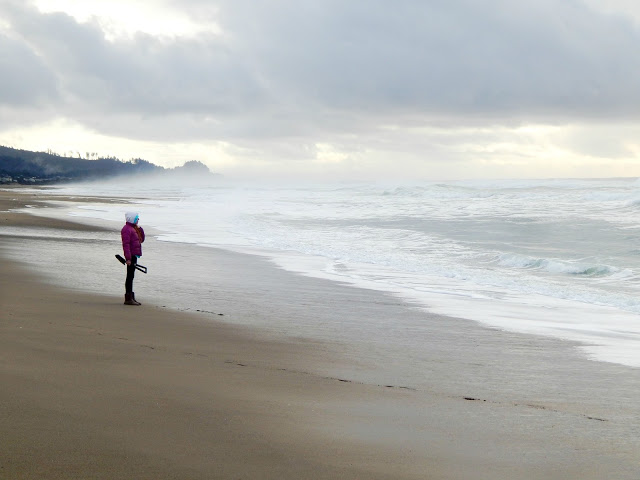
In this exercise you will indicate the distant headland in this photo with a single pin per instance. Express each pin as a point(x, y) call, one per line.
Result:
point(43, 168)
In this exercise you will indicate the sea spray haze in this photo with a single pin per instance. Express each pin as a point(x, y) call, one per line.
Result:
point(550, 257)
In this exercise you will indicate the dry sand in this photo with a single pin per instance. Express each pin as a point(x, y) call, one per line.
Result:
point(94, 389)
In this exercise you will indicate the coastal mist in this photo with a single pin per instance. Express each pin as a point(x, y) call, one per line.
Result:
point(558, 258)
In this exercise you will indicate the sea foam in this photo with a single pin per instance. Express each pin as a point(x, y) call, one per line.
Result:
point(547, 257)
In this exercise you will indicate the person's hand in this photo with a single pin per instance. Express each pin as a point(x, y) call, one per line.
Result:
point(128, 262)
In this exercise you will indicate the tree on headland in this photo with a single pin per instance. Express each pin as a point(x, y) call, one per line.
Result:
point(23, 166)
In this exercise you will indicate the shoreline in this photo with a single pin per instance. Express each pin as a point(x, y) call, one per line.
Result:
point(95, 389)
point(564, 315)
point(100, 390)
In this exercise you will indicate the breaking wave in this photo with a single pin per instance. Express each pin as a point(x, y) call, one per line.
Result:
point(556, 266)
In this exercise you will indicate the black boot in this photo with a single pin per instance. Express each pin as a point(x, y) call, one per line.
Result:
point(128, 299)
point(133, 297)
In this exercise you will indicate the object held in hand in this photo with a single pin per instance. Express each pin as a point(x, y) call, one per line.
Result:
point(142, 268)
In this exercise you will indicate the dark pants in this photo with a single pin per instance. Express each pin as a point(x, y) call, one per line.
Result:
point(131, 270)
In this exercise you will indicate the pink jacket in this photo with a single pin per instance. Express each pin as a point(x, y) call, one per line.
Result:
point(131, 242)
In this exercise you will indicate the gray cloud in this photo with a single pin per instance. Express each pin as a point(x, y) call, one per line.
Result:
point(144, 74)
point(25, 79)
point(466, 57)
point(306, 68)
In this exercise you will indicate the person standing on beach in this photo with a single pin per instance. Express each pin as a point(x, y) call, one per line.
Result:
point(132, 238)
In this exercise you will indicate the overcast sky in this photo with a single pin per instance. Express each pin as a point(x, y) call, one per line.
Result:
point(329, 89)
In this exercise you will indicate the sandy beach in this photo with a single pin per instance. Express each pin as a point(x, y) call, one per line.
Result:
point(94, 389)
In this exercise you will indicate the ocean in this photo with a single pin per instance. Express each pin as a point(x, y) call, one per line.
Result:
point(558, 258)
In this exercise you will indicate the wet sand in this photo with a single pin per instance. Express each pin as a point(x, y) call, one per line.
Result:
point(95, 389)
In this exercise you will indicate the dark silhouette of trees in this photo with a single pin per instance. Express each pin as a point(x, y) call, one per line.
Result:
point(26, 167)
